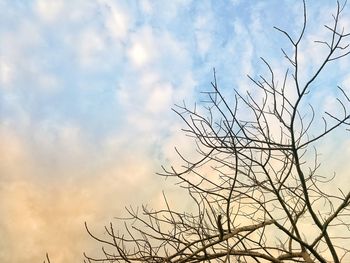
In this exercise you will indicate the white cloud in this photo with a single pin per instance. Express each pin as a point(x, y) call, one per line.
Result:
point(160, 98)
point(157, 93)
point(203, 34)
point(204, 26)
point(236, 2)
point(143, 47)
point(66, 177)
point(244, 56)
point(139, 54)
point(48, 82)
point(169, 11)
point(26, 35)
point(117, 19)
point(148, 100)
point(49, 11)
point(91, 44)
point(6, 73)
point(146, 7)
point(163, 70)
point(346, 84)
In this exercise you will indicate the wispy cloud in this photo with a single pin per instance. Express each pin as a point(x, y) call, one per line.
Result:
point(86, 89)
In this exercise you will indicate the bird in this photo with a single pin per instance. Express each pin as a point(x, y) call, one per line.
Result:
point(221, 230)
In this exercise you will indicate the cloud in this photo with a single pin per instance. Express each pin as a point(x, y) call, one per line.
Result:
point(43, 217)
point(204, 27)
point(90, 47)
point(56, 181)
point(49, 11)
point(6, 74)
point(146, 7)
point(117, 20)
point(141, 52)
point(86, 92)
point(163, 69)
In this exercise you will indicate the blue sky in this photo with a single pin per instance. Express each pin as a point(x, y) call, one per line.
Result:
point(86, 90)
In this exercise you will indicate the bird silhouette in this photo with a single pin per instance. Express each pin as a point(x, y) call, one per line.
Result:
point(221, 230)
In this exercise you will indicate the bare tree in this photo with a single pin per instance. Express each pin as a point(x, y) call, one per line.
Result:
point(257, 188)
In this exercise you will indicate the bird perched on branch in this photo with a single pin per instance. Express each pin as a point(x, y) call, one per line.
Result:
point(221, 230)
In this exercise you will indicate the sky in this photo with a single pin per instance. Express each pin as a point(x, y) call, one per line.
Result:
point(86, 91)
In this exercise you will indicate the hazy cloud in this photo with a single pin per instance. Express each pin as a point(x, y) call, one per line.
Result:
point(86, 89)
